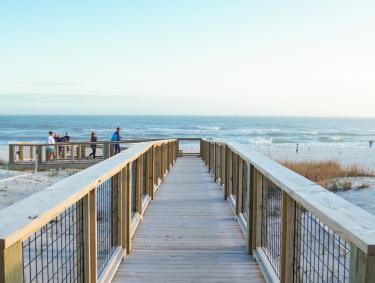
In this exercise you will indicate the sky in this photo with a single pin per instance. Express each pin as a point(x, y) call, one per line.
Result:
point(190, 57)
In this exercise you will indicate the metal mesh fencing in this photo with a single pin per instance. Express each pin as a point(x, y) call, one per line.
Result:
point(320, 255)
point(55, 253)
point(144, 176)
point(234, 176)
point(271, 223)
point(106, 203)
point(244, 206)
point(134, 184)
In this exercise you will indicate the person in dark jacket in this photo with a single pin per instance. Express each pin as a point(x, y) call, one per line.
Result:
point(93, 146)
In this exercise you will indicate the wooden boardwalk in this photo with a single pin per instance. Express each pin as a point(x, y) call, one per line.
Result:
point(189, 234)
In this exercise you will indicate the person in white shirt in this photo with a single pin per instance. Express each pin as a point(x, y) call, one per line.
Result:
point(50, 149)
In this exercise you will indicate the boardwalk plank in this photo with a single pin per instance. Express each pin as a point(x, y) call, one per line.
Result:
point(188, 234)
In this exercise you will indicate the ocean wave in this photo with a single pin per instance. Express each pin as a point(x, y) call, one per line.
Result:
point(331, 139)
point(210, 128)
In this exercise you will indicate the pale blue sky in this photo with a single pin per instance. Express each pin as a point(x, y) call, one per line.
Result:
point(230, 57)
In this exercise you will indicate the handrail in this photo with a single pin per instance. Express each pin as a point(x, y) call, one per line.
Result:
point(338, 213)
point(84, 142)
point(78, 154)
point(80, 199)
point(282, 207)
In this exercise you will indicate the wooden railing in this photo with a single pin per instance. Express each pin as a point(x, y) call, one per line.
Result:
point(79, 229)
point(297, 230)
point(27, 155)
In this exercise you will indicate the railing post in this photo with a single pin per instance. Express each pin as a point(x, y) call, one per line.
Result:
point(72, 152)
point(90, 236)
point(129, 184)
point(20, 153)
point(287, 239)
point(11, 263)
point(83, 150)
point(362, 266)
point(39, 155)
point(118, 199)
point(106, 150)
point(11, 154)
point(31, 150)
point(257, 209)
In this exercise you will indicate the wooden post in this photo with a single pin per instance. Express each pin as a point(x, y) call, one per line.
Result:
point(72, 152)
point(117, 180)
point(90, 236)
point(39, 153)
point(11, 264)
point(79, 151)
point(106, 150)
point(11, 154)
point(230, 172)
point(362, 266)
point(31, 150)
point(226, 172)
point(20, 153)
point(129, 183)
point(287, 239)
point(83, 150)
point(124, 208)
point(150, 170)
point(257, 209)
point(215, 161)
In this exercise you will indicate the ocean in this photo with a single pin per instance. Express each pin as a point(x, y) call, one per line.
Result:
point(274, 136)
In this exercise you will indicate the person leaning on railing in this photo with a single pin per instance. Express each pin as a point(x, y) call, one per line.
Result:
point(50, 149)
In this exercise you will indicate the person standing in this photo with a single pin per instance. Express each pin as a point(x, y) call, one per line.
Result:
point(117, 137)
point(51, 148)
point(93, 139)
point(67, 139)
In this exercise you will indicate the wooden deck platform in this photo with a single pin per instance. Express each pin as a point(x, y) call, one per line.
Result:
point(189, 234)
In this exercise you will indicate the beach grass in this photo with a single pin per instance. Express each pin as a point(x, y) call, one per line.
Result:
point(323, 172)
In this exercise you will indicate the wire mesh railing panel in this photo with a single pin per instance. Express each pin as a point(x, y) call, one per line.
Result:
point(106, 203)
point(189, 146)
point(134, 184)
point(244, 206)
point(55, 253)
point(234, 176)
point(271, 223)
point(320, 255)
point(144, 176)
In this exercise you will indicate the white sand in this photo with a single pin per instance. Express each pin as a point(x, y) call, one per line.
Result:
point(4, 153)
point(15, 189)
point(363, 156)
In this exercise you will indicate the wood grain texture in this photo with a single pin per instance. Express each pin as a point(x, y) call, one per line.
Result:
point(189, 234)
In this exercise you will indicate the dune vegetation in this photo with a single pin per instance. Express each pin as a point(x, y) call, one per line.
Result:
point(325, 173)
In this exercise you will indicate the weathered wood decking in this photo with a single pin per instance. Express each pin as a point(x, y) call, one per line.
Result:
point(189, 234)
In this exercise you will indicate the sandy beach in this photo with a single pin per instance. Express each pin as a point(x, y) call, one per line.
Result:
point(347, 155)
point(4, 155)
point(15, 185)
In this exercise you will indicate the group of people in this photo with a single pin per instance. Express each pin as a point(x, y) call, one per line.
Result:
point(116, 136)
point(54, 138)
